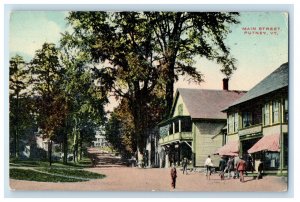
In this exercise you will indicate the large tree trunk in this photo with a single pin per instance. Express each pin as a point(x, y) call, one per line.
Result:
point(65, 147)
point(65, 142)
point(50, 152)
point(16, 140)
point(80, 146)
point(170, 84)
point(75, 147)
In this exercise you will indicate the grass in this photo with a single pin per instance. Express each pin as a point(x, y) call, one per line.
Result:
point(73, 173)
point(84, 163)
point(41, 171)
point(32, 175)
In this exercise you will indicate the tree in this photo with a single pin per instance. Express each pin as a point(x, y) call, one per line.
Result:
point(50, 103)
point(181, 36)
point(85, 100)
point(119, 130)
point(130, 73)
point(145, 52)
point(18, 82)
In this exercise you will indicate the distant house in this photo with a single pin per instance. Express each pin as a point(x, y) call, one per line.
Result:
point(100, 140)
point(195, 122)
point(258, 122)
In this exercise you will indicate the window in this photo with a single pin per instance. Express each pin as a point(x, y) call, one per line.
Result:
point(230, 123)
point(286, 112)
point(256, 116)
point(247, 119)
point(266, 111)
point(285, 150)
point(271, 160)
point(236, 122)
point(275, 112)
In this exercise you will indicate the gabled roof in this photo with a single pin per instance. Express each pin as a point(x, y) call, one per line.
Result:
point(207, 104)
point(276, 80)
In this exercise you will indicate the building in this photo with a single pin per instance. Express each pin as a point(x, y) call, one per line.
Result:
point(100, 140)
point(194, 125)
point(258, 122)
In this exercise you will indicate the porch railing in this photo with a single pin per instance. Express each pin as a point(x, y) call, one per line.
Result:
point(181, 136)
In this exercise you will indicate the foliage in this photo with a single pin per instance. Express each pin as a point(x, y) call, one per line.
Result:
point(21, 116)
point(46, 74)
point(84, 98)
point(144, 53)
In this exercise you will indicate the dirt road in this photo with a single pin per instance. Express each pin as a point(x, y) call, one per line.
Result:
point(122, 178)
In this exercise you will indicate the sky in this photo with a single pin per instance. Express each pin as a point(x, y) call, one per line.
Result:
point(257, 54)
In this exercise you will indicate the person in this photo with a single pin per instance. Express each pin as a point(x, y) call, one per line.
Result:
point(250, 163)
point(236, 172)
point(208, 164)
point(260, 169)
point(173, 176)
point(230, 166)
point(241, 167)
point(222, 166)
point(94, 161)
point(184, 165)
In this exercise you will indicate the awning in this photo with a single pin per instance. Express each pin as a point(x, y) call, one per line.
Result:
point(229, 149)
point(266, 143)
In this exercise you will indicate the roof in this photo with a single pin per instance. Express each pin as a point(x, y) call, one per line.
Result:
point(276, 80)
point(207, 104)
point(229, 149)
point(266, 143)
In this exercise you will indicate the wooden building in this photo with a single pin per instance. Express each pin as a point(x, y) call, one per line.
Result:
point(194, 125)
point(258, 122)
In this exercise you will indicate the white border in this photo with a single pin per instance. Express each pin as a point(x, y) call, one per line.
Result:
point(152, 5)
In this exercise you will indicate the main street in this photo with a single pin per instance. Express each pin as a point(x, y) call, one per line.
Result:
point(122, 178)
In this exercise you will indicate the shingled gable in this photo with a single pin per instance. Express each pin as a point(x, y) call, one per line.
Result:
point(276, 80)
point(207, 104)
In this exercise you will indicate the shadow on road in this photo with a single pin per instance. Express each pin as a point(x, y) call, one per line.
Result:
point(102, 159)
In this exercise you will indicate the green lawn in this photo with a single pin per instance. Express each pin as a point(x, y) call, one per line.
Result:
point(32, 175)
point(41, 171)
point(73, 173)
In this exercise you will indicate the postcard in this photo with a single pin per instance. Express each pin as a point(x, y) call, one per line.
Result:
point(149, 101)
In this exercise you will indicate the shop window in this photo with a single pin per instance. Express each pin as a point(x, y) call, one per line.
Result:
point(266, 111)
point(275, 112)
point(285, 150)
point(271, 160)
point(286, 111)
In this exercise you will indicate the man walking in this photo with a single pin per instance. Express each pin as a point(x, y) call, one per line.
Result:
point(184, 166)
point(173, 176)
point(208, 164)
point(241, 167)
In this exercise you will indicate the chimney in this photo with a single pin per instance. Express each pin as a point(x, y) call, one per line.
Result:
point(225, 84)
